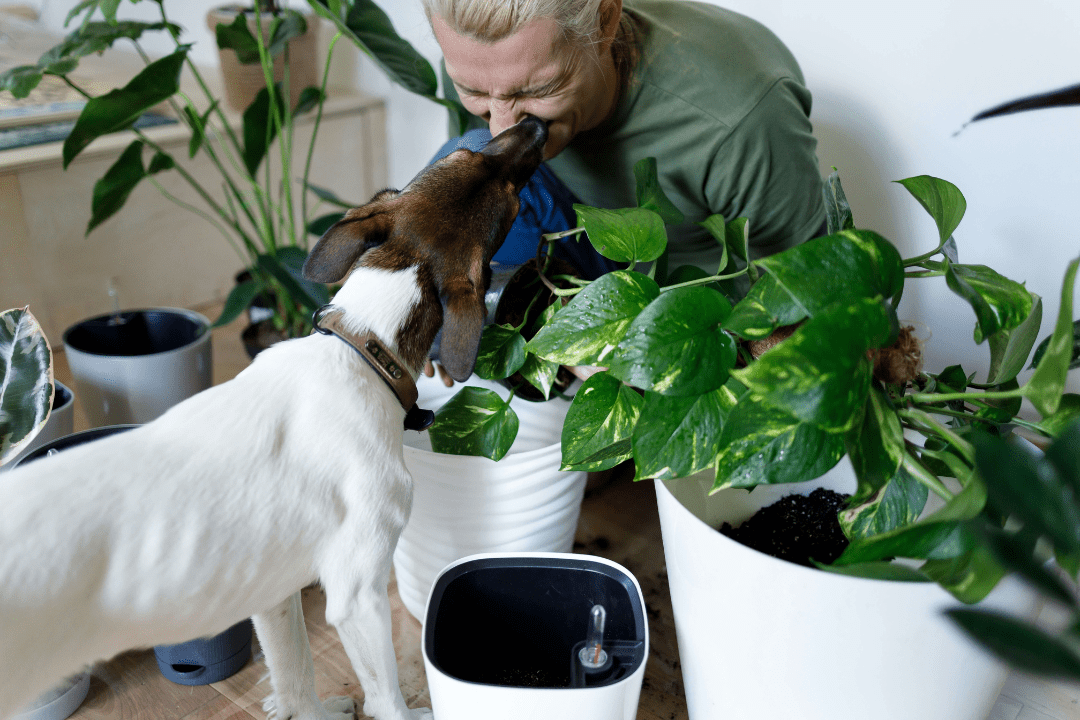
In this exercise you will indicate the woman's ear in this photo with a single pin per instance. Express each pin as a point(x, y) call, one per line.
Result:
point(610, 16)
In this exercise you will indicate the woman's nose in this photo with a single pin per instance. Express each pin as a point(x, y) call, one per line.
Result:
point(504, 114)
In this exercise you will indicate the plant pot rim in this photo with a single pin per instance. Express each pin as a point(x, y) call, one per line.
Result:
point(202, 337)
point(778, 565)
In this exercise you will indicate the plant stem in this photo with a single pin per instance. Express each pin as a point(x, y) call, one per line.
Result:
point(703, 281)
point(924, 476)
point(926, 274)
point(314, 134)
point(931, 398)
point(923, 420)
point(551, 237)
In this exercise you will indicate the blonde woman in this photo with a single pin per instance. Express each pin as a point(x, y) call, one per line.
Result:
point(714, 96)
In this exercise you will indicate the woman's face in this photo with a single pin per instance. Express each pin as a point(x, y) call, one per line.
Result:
point(536, 72)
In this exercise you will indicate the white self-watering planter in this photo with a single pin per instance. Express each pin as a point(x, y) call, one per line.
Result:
point(464, 505)
point(132, 366)
point(503, 633)
point(764, 638)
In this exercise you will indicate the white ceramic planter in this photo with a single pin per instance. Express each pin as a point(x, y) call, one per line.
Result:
point(61, 422)
point(501, 631)
point(763, 638)
point(132, 371)
point(464, 505)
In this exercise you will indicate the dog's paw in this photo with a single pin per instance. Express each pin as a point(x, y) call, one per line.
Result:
point(421, 714)
point(339, 708)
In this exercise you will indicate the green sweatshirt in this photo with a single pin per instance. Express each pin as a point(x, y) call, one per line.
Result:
point(719, 101)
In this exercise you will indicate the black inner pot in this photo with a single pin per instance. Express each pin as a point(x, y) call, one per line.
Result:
point(69, 441)
point(136, 332)
point(496, 621)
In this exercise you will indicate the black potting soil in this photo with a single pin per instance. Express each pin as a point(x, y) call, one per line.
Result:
point(796, 528)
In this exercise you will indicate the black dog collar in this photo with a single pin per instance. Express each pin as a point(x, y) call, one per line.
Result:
point(327, 321)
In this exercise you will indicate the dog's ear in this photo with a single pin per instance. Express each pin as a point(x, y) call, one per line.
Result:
point(342, 245)
point(463, 321)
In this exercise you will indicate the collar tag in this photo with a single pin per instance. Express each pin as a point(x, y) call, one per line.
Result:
point(327, 321)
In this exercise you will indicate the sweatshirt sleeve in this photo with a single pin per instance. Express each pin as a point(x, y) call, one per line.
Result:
point(766, 170)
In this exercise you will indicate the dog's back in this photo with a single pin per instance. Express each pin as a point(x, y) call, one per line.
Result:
point(232, 501)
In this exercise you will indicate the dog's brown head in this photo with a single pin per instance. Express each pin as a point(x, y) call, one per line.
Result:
point(448, 223)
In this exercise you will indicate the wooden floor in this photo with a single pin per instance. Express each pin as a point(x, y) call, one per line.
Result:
point(618, 521)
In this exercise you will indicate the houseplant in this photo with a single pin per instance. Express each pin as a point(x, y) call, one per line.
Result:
point(263, 213)
point(689, 390)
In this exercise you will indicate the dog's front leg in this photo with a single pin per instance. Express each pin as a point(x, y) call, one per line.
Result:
point(284, 642)
point(360, 611)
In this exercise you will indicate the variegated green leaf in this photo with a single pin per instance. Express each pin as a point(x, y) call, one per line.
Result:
point(679, 436)
point(628, 235)
point(898, 503)
point(969, 577)
point(838, 269)
point(26, 380)
point(1047, 384)
point(595, 321)
point(603, 415)
point(650, 195)
point(999, 303)
point(821, 374)
point(764, 445)
point(1009, 349)
point(766, 307)
point(940, 536)
point(875, 445)
point(676, 345)
point(474, 422)
point(540, 373)
point(837, 209)
point(501, 354)
point(940, 198)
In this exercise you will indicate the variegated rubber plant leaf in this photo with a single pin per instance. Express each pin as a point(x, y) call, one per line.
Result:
point(26, 380)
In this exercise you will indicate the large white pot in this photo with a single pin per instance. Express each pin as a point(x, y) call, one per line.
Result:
point(764, 638)
point(465, 505)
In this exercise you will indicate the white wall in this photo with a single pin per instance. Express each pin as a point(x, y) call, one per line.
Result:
point(892, 83)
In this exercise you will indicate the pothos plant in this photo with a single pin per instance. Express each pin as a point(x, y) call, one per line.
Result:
point(263, 213)
point(696, 380)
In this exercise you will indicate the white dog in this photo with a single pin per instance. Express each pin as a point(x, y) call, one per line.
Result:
point(231, 502)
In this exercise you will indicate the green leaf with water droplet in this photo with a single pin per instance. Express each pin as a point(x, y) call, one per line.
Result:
point(602, 416)
point(595, 321)
point(475, 421)
point(676, 345)
point(761, 444)
point(679, 436)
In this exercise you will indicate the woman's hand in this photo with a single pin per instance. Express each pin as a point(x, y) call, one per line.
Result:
point(429, 370)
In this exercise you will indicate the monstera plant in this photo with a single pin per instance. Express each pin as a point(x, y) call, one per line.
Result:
point(26, 381)
point(264, 215)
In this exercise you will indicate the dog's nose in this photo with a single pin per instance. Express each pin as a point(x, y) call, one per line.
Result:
point(529, 134)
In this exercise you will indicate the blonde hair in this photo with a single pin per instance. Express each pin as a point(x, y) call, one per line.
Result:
point(489, 21)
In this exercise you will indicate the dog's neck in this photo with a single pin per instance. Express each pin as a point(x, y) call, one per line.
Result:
point(384, 303)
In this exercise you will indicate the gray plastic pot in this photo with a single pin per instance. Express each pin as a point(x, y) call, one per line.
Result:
point(132, 366)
